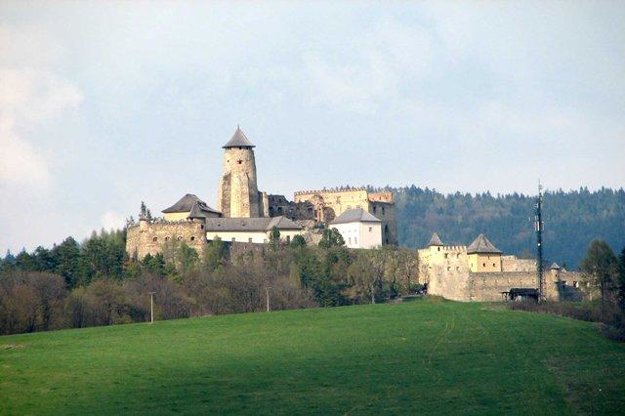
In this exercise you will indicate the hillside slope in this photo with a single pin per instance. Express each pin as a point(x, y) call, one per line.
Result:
point(426, 357)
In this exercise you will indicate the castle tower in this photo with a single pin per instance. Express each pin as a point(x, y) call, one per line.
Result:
point(238, 194)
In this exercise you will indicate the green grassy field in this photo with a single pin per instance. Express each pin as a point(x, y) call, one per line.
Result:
point(425, 357)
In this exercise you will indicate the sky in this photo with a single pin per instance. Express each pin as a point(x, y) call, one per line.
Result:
point(107, 104)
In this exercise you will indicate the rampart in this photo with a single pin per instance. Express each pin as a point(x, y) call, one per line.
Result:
point(149, 237)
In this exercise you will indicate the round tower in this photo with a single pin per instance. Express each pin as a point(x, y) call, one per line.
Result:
point(238, 190)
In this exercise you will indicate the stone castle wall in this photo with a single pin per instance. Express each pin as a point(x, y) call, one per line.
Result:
point(151, 237)
point(329, 204)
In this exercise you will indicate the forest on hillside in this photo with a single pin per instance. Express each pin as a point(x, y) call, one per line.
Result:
point(572, 220)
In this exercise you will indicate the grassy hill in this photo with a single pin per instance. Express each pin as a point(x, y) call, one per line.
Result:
point(426, 357)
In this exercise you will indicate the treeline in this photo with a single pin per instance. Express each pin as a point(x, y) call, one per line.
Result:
point(572, 220)
point(95, 283)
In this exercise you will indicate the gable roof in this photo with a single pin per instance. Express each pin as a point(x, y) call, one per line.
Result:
point(435, 241)
point(239, 139)
point(354, 215)
point(250, 224)
point(482, 245)
point(192, 204)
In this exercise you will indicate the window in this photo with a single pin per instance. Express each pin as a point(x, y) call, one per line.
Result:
point(493, 264)
point(446, 255)
point(201, 227)
point(249, 240)
point(234, 239)
point(438, 248)
point(355, 241)
point(167, 238)
point(382, 210)
point(483, 264)
point(155, 238)
point(370, 229)
point(192, 238)
point(349, 240)
point(288, 238)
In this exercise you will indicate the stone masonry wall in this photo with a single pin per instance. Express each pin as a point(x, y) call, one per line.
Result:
point(151, 237)
point(238, 194)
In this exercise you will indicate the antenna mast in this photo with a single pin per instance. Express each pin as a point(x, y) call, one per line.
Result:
point(538, 226)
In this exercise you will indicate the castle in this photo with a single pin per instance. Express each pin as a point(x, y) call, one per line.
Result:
point(246, 215)
point(480, 272)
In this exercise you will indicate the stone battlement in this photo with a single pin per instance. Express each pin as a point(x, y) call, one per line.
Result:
point(331, 191)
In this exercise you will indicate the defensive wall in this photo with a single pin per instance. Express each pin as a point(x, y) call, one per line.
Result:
point(149, 237)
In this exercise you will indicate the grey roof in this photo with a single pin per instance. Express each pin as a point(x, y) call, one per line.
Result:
point(354, 215)
point(239, 139)
point(435, 241)
point(250, 224)
point(482, 245)
point(554, 266)
point(187, 203)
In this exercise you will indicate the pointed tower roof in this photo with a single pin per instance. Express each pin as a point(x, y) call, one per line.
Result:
point(435, 241)
point(239, 139)
point(482, 245)
point(554, 266)
point(187, 203)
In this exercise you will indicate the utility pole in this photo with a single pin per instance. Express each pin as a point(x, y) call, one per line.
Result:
point(267, 292)
point(152, 307)
point(539, 227)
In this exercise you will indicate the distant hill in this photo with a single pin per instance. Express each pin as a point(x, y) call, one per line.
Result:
point(572, 220)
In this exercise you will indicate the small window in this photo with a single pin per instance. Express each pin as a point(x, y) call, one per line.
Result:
point(167, 238)
point(448, 268)
point(483, 264)
point(234, 239)
point(192, 238)
point(370, 229)
point(438, 248)
point(288, 238)
point(201, 227)
point(249, 240)
point(446, 255)
point(355, 241)
point(155, 238)
point(383, 210)
point(349, 240)
point(493, 264)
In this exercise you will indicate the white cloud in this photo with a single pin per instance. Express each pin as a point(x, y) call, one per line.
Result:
point(30, 94)
point(20, 163)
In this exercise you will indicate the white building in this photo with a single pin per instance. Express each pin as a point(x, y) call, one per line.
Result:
point(359, 228)
point(250, 230)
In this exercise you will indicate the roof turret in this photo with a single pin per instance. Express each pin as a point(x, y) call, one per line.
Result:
point(435, 241)
point(482, 245)
point(239, 139)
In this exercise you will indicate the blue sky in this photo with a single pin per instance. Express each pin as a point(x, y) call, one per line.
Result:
point(106, 104)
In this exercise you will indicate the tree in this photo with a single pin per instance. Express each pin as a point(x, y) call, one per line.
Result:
point(621, 280)
point(600, 265)
point(274, 238)
point(298, 242)
point(331, 238)
point(214, 255)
